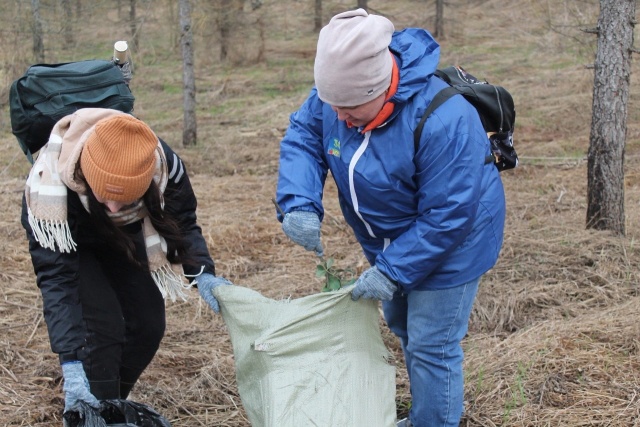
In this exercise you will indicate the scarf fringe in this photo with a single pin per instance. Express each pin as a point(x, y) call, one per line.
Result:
point(170, 283)
point(50, 233)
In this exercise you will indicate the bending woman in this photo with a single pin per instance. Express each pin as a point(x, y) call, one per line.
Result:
point(110, 217)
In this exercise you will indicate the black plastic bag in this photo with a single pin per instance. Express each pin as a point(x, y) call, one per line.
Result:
point(85, 416)
point(131, 413)
point(116, 413)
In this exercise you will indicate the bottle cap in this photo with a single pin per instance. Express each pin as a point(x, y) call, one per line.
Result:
point(120, 51)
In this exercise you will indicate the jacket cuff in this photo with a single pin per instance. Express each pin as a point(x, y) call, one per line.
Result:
point(72, 356)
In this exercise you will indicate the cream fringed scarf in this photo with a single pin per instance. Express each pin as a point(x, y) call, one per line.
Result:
point(53, 174)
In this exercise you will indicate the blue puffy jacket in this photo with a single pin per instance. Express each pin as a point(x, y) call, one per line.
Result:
point(429, 219)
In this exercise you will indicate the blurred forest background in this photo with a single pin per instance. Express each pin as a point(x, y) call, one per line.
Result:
point(554, 338)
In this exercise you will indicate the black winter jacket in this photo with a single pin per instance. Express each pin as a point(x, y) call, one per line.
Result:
point(57, 272)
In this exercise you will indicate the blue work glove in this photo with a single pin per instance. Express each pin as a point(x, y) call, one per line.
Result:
point(76, 387)
point(372, 284)
point(304, 229)
point(206, 284)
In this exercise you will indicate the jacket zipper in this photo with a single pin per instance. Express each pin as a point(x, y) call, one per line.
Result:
point(352, 189)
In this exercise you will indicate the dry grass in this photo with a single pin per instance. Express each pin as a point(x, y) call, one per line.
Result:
point(553, 338)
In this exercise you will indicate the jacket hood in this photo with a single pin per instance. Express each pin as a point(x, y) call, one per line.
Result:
point(418, 55)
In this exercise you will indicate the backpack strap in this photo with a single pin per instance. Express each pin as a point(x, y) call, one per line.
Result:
point(437, 101)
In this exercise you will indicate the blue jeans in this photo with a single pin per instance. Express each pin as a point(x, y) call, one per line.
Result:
point(430, 325)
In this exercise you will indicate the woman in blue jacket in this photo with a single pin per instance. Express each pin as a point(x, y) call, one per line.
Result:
point(430, 222)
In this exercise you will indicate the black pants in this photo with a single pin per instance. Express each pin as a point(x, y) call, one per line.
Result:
point(124, 314)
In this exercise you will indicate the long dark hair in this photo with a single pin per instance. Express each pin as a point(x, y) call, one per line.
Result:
point(164, 223)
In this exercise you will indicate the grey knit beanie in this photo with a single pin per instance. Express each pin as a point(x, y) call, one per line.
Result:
point(353, 64)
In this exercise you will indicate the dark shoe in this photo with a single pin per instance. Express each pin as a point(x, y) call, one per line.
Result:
point(125, 389)
point(128, 378)
point(104, 390)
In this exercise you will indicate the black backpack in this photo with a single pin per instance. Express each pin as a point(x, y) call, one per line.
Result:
point(495, 107)
point(48, 92)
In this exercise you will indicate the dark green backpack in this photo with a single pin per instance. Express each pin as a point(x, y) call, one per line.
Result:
point(48, 92)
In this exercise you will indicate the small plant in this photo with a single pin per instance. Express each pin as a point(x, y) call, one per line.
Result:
point(403, 407)
point(334, 278)
point(518, 396)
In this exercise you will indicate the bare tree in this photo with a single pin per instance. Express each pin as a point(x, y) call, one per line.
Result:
point(38, 43)
point(317, 17)
point(439, 19)
point(173, 34)
point(67, 24)
point(189, 130)
point(133, 24)
point(605, 181)
point(230, 24)
point(262, 37)
point(225, 22)
point(363, 4)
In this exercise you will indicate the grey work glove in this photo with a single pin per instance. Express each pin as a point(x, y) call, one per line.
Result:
point(304, 229)
point(206, 284)
point(372, 284)
point(76, 387)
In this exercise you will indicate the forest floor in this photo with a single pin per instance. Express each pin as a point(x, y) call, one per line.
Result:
point(554, 337)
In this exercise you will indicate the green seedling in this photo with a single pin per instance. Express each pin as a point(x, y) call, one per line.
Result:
point(334, 278)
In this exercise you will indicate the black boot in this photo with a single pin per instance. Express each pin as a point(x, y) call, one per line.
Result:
point(125, 388)
point(128, 378)
point(103, 390)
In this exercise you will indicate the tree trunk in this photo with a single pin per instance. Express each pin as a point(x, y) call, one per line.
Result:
point(133, 25)
point(363, 4)
point(174, 37)
point(189, 131)
point(38, 43)
point(605, 181)
point(67, 25)
point(439, 19)
point(225, 23)
point(263, 40)
point(317, 17)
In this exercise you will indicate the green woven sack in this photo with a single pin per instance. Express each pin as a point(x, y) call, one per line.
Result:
point(312, 361)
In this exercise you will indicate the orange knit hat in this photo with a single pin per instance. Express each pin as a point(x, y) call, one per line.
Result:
point(118, 159)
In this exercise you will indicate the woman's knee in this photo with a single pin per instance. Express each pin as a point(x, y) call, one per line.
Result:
point(146, 332)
